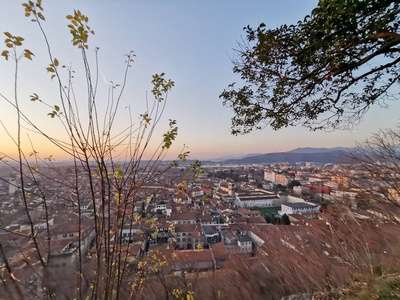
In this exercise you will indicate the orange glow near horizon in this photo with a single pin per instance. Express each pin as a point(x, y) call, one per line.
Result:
point(197, 60)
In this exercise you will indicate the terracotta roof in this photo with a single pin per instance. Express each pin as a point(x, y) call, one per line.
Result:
point(258, 219)
point(219, 250)
point(194, 228)
point(133, 249)
point(238, 219)
point(206, 218)
point(194, 256)
point(66, 227)
point(228, 233)
point(188, 215)
point(58, 245)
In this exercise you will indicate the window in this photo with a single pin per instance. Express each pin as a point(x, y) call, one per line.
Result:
point(183, 240)
point(71, 235)
point(184, 234)
point(65, 235)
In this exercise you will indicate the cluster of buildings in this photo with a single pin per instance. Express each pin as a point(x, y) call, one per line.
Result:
point(201, 226)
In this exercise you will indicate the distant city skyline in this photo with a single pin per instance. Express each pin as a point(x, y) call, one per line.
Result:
point(191, 42)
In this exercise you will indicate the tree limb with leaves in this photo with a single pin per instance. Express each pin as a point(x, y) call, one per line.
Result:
point(108, 168)
point(324, 72)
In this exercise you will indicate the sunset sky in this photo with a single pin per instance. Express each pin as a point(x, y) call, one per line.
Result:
point(190, 41)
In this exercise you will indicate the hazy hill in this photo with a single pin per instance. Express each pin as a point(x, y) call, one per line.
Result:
point(318, 155)
point(235, 156)
point(316, 150)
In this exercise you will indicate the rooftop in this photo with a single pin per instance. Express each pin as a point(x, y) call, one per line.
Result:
point(186, 256)
point(244, 238)
point(299, 205)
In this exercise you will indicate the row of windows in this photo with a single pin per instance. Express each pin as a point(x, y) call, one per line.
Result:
point(251, 204)
point(186, 222)
point(189, 240)
point(184, 234)
point(65, 235)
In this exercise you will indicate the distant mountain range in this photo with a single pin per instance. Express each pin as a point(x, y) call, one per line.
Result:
point(318, 155)
point(317, 150)
point(234, 156)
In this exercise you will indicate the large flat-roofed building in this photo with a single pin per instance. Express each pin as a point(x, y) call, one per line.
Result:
point(298, 208)
point(257, 198)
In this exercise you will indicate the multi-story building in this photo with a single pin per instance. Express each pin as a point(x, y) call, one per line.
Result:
point(257, 198)
point(298, 208)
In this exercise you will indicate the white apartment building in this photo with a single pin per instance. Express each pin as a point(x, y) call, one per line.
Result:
point(257, 198)
point(298, 208)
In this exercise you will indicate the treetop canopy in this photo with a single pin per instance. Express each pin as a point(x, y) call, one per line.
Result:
point(322, 73)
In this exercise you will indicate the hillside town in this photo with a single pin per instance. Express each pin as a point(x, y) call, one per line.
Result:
point(228, 213)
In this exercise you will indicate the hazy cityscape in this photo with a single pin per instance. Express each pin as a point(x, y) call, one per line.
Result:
point(200, 226)
point(245, 151)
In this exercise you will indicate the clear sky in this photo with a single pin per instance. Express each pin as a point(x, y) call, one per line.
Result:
point(190, 41)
